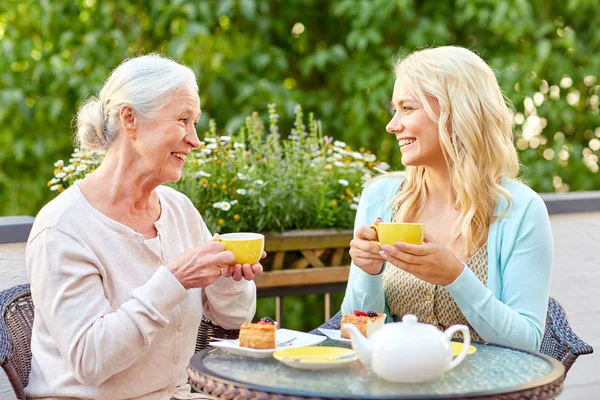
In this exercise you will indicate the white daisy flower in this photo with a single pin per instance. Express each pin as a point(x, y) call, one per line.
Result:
point(222, 205)
point(200, 173)
point(337, 143)
point(339, 164)
point(343, 182)
point(383, 166)
point(370, 157)
point(59, 163)
point(60, 175)
point(54, 187)
point(353, 206)
point(237, 145)
point(241, 176)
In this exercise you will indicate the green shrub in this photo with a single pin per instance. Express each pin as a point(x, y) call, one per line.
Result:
point(333, 57)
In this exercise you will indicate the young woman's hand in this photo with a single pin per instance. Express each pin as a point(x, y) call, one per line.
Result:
point(364, 253)
point(431, 262)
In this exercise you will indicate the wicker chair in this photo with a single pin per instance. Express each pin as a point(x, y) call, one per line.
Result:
point(559, 341)
point(16, 312)
point(16, 308)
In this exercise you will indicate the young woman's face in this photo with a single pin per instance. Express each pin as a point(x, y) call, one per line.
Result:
point(170, 135)
point(416, 133)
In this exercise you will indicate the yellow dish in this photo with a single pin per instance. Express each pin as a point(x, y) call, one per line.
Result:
point(457, 348)
point(316, 357)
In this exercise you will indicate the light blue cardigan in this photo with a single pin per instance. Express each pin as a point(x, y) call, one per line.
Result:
point(511, 309)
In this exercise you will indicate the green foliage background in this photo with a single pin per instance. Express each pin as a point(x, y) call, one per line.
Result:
point(333, 57)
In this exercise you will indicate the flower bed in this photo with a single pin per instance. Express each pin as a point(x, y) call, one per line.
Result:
point(255, 180)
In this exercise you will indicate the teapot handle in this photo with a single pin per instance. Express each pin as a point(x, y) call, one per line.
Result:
point(467, 341)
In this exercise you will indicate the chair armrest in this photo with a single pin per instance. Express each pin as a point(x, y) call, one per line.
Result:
point(8, 298)
point(333, 323)
point(207, 331)
point(563, 331)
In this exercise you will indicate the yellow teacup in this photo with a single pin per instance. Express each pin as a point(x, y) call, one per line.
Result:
point(392, 232)
point(247, 247)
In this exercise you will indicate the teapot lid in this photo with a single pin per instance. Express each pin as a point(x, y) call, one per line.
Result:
point(410, 325)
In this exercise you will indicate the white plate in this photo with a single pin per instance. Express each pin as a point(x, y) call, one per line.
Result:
point(281, 335)
point(334, 334)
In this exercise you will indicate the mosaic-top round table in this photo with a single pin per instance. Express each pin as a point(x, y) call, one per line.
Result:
point(493, 372)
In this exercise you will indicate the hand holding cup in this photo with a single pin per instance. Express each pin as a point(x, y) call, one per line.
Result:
point(248, 249)
point(365, 248)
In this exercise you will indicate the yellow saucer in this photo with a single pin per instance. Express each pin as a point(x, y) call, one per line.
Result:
point(457, 348)
point(316, 357)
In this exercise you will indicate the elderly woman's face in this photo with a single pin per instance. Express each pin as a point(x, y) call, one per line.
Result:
point(166, 139)
point(415, 131)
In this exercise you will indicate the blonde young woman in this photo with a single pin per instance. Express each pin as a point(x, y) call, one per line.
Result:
point(121, 267)
point(487, 255)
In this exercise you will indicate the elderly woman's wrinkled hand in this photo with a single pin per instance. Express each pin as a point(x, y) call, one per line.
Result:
point(365, 253)
point(431, 262)
point(202, 265)
point(246, 271)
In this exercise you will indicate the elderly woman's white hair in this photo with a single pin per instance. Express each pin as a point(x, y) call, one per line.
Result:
point(143, 83)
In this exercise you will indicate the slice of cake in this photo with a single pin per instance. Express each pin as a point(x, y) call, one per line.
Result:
point(366, 322)
point(260, 335)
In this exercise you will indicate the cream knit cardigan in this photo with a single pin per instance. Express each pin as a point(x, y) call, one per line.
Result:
point(111, 321)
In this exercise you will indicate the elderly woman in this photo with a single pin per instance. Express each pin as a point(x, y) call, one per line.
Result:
point(122, 268)
point(487, 256)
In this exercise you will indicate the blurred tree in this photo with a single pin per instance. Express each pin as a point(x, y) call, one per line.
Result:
point(333, 57)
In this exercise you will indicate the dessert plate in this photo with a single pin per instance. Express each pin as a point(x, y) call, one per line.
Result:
point(457, 348)
point(334, 334)
point(285, 339)
point(316, 357)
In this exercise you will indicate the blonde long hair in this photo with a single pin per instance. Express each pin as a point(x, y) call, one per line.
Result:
point(475, 132)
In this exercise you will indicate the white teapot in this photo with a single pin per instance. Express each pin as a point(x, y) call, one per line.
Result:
point(409, 351)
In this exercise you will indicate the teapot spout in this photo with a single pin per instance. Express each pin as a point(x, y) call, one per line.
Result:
point(364, 347)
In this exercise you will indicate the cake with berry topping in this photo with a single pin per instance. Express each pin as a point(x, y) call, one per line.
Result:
point(260, 335)
point(367, 322)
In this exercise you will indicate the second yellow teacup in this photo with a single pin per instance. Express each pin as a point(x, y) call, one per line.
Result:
point(247, 247)
point(389, 233)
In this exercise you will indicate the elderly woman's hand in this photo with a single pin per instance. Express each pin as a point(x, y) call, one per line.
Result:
point(431, 262)
point(202, 265)
point(365, 253)
point(246, 271)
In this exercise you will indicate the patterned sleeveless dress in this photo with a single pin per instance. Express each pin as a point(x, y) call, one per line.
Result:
point(432, 304)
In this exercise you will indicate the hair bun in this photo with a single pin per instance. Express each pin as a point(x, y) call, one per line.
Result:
point(91, 124)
